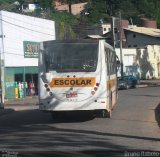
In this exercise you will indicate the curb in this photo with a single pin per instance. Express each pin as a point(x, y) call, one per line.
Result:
point(141, 86)
point(19, 107)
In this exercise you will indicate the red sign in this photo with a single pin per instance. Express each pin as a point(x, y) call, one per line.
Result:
point(71, 95)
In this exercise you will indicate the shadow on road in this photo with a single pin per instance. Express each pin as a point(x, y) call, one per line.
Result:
point(157, 114)
point(30, 129)
point(5, 111)
point(144, 95)
point(88, 153)
point(13, 118)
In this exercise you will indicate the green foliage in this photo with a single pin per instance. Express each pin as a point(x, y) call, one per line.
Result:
point(64, 21)
point(45, 3)
point(100, 10)
point(97, 12)
point(6, 1)
point(137, 9)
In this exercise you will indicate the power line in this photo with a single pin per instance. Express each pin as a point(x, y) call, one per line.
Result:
point(27, 22)
point(13, 53)
point(40, 36)
point(26, 28)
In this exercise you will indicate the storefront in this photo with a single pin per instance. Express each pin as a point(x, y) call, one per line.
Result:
point(21, 82)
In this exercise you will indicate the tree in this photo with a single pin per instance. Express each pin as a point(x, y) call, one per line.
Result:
point(45, 4)
point(64, 21)
point(101, 10)
point(136, 9)
point(97, 11)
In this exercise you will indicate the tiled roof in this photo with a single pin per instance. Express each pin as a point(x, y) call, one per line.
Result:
point(146, 31)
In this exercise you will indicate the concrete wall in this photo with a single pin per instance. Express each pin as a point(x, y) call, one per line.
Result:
point(106, 28)
point(17, 28)
point(150, 58)
point(128, 57)
point(76, 8)
point(137, 40)
point(144, 62)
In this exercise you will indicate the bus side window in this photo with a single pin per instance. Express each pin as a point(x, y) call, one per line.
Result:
point(111, 61)
point(107, 60)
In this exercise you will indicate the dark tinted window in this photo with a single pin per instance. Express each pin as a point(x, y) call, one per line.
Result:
point(72, 57)
point(111, 61)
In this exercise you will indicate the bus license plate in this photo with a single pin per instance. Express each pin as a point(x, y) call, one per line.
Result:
point(71, 95)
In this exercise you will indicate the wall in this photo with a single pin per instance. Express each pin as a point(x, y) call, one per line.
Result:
point(144, 62)
point(136, 40)
point(128, 55)
point(106, 28)
point(17, 28)
point(14, 30)
point(148, 59)
point(76, 8)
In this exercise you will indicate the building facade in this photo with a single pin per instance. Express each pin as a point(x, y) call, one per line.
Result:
point(75, 8)
point(143, 63)
point(19, 45)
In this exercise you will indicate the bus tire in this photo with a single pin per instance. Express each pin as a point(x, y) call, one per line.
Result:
point(106, 114)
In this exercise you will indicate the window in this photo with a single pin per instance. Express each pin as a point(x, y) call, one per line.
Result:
point(72, 57)
point(111, 61)
point(115, 30)
point(25, 6)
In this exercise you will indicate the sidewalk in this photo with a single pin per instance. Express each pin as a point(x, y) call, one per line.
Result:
point(27, 103)
point(146, 83)
point(151, 82)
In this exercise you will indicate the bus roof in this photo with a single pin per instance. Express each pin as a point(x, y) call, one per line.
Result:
point(73, 41)
point(95, 37)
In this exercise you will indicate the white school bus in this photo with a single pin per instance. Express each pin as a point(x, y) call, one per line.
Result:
point(77, 75)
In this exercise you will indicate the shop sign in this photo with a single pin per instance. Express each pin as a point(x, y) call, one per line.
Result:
point(31, 49)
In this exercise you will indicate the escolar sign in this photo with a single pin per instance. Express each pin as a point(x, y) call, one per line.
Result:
point(73, 82)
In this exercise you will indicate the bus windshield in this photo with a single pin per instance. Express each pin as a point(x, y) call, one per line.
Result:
point(72, 57)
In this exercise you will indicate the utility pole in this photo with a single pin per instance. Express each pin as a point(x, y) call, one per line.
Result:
point(1, 82)
point(70, 6)
point(120, 40)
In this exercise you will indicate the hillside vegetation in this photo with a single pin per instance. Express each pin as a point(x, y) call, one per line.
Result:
point(98, 11)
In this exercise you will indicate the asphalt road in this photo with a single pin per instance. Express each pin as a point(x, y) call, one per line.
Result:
point(133, 128)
